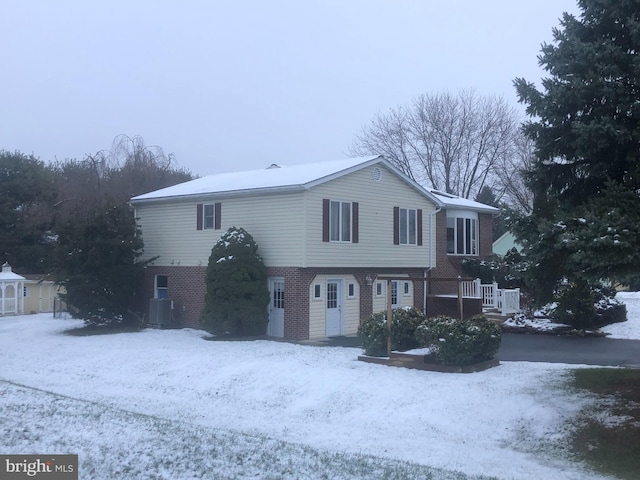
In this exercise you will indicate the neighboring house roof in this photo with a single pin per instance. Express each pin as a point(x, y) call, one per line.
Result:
point(275, 179)
point(38, 277)
point(453, 201)
point(506, 242)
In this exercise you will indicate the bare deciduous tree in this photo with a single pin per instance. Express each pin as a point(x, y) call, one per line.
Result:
point(453, 143)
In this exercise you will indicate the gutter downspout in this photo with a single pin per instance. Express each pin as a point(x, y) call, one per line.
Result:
point(432, 256)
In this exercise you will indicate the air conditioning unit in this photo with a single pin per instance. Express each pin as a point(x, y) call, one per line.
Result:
point(160, 312)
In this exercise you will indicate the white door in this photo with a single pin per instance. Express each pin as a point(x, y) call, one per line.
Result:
point(276, 308)
point(395, 290)
point(334, 308)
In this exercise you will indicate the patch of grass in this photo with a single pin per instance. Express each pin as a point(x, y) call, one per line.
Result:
point(608, 434)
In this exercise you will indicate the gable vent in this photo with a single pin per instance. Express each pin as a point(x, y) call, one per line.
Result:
point(376, 174)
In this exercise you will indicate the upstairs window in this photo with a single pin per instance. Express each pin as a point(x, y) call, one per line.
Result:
point(207, 220)
point(407, 226)
point(339, 221)
point(462, 233)
point(208, 216)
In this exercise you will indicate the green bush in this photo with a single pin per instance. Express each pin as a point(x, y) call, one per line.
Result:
point(237, 293)
point(373, 331)
point(404, 322)
point(460, 342)
point(373, 334)
point(585, 306)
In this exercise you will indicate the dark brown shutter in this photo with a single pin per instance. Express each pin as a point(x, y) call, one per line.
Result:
point(419, 222)
point(199, 216)
point(396, 225)
point(354, 213)
point(325, 220)
point(218, 216)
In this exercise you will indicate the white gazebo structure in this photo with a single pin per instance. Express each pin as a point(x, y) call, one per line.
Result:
point(11, 292)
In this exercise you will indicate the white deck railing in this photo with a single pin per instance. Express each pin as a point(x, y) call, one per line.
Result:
point(506, 301)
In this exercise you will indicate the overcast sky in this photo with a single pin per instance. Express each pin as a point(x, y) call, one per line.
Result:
point(238, 85)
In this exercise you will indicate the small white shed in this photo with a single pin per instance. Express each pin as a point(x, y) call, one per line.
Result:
point(11, 292)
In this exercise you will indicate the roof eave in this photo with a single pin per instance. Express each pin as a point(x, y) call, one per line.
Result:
point(219, 195)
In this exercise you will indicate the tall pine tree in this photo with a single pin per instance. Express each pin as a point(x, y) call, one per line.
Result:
point(98, 264)
point(585, 125)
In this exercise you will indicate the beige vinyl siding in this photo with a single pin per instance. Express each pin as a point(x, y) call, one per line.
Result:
point(317, 307)
point(40, 296)
point(376, 201)
point(276, 223)
point(380, 302)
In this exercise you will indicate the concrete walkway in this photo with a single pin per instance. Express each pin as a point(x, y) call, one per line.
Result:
point(568, 349)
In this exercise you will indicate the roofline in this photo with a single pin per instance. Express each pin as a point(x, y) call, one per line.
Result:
point(226, 194)
point(380, 159)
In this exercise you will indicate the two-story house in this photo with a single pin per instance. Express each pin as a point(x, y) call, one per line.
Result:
point(326, 231)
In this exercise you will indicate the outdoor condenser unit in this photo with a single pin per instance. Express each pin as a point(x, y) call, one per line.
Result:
point(160, 311)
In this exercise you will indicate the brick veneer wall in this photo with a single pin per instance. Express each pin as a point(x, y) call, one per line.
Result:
point(187, 289)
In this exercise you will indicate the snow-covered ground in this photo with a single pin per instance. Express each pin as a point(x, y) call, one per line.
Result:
point(631, 328)
point(625, 330)
point(169, 405)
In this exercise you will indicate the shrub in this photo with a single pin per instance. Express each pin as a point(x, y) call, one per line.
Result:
point(585, 306)
point(404, 322)
point(373, 335)
point(237, 293)
point(373, 331)
point(460, 342)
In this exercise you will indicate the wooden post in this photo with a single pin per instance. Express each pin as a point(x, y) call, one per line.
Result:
point(389, 316)
point(460, 302)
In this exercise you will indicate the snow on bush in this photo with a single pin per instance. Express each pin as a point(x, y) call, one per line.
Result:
point(460, 342)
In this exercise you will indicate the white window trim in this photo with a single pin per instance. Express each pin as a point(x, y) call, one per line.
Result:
point(406, 289)
point(405, 227)
point(204, 216)
point(155, 285)
point(355, 290)
point(313, 295)
point(475, 242)
point(381, 294)
point(340, 222)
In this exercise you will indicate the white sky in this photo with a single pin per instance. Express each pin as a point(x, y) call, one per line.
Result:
point(238, 85)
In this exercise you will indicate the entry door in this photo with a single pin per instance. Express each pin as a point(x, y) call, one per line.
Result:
point(334, 308)
point(276, 308)
point(395, 289)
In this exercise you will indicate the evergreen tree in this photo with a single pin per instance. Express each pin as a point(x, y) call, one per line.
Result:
point(585, 178)
point(237, 294)
point(97, 264)
point(488, 197)
point(26, 219)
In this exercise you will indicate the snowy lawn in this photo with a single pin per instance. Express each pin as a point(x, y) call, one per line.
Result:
point(169, 405)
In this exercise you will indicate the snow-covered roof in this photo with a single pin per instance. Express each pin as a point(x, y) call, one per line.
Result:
point(453, 201)
point(275, 178)
point(8, 275)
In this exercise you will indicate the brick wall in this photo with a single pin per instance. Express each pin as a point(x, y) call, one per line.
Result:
point(186, 287)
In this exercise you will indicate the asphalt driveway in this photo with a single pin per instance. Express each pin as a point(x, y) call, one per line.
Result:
point(522, 347)
point(569, 349)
